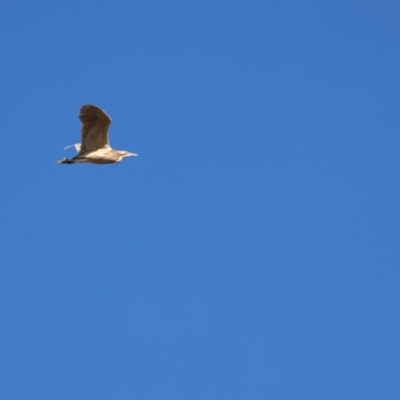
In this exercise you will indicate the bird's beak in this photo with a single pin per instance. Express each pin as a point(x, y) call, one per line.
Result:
point(131, 155)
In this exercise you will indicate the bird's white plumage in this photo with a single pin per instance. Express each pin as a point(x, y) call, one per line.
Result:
point(76, 145)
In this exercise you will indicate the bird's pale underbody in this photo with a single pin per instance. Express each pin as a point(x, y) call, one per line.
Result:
point(94, 147)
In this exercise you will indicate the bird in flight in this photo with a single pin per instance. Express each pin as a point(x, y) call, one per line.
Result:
point(94, 147)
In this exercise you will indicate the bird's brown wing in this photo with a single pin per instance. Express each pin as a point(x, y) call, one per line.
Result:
point(94, 131)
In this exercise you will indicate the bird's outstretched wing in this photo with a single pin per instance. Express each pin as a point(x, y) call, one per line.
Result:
point(94, 131)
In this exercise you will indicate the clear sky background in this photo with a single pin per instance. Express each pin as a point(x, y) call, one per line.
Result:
point(251, 251)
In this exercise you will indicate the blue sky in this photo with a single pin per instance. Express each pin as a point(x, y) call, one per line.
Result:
point(251, 251)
